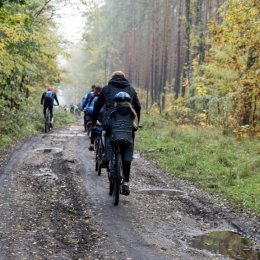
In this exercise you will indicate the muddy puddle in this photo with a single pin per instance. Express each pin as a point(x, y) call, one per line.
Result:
point(225, 243)
point(168, 192)
point(48, 150)
point(46, 174)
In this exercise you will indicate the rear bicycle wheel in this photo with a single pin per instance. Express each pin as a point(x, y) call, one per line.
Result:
point(96, 146)
point(110, 192)
point(88, 130)
point(117, 178)
point(49, 121)
point(46, 123)
point(85, 125)
point(99, 160)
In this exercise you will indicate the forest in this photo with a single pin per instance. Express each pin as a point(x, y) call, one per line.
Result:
point(193, 61)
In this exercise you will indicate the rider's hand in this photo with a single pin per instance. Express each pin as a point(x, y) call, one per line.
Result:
point(97, 123)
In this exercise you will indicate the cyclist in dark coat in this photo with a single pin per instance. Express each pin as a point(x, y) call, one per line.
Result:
point(47, 102)
point(117, 84)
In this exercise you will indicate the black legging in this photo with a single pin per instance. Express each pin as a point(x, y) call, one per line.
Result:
point(50, 108)
point(126, 164)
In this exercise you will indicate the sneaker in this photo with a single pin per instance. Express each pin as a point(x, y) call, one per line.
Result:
point(91, 148)
point(125, 189)
point(51, 125)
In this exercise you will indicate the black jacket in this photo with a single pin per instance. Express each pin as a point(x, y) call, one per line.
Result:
point(115, 85)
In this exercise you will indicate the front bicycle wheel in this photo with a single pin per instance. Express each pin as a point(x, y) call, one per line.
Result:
point(117, 178)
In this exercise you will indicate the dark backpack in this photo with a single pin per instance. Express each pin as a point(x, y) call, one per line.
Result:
point(49, 95)
point(121, 127)
point(90, 107)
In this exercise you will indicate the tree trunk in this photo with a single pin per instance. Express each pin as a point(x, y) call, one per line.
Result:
point(178, 65)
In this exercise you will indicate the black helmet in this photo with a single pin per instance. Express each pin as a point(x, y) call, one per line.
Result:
point(121, 97)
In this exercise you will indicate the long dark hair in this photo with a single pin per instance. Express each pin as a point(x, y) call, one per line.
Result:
point(96, 92)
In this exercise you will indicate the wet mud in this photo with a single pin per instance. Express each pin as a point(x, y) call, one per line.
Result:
point(53, 205)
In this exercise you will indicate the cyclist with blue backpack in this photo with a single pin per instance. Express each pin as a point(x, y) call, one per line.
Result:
point(89, 111)
point(47, 101)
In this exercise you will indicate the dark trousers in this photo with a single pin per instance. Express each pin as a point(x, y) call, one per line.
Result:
point(126, 164)
point(50, 108)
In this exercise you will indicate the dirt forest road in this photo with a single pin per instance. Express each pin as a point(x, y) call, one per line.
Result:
point(53, 205)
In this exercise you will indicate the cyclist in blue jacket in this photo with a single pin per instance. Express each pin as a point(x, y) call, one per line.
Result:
point(87, 97)
point(47, 102)
point(100, 118)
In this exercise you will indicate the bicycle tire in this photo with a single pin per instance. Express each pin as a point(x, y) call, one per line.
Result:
point(85, 125)
point(116, 178)
point(96, 146)
point(47, 123)
point(110, 192)
point(99, 160)
point(45, 126)
point(88, 131)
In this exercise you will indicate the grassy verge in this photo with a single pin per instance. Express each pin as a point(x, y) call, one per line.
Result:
point(27, 121)
point(204, 156)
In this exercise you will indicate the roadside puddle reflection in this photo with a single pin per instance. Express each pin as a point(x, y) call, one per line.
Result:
point(225, 243)
point(161, 192)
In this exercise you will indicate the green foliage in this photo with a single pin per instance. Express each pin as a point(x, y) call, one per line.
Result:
point(27, 120)
point(204, 156)
point(230, 79)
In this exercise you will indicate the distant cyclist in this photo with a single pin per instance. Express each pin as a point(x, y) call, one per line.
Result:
point(47, 102)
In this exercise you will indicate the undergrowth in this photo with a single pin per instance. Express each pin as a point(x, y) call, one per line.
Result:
point(218, 163)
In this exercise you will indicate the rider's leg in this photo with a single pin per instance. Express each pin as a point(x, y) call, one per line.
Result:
point(51, 112)
point(44, 111)
point(126, 165)
point(103, 139)
point(91, 148)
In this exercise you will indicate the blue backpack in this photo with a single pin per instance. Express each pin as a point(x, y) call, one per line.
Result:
point(90, 107)
point(48, 95)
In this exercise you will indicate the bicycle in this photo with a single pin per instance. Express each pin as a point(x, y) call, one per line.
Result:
point(87, 123)
point(98, 154)
point(115, 172)
point(47, 123)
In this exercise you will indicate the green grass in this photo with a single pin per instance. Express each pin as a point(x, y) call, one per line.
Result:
point(204, 156)
point(27, 121)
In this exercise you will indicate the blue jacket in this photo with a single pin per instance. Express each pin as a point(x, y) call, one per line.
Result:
point(87, 99)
